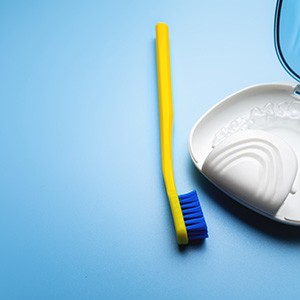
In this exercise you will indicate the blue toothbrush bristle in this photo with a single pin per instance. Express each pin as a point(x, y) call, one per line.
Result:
point(193, 216)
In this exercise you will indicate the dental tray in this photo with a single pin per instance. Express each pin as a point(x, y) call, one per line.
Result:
point(248, 144)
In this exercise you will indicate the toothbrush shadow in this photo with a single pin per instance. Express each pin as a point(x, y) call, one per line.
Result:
point(192, 245)
point(260, 223)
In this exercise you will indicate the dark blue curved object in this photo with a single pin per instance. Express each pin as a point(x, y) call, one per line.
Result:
point(287, 35)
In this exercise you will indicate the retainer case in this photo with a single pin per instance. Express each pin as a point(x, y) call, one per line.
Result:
point(248, 144)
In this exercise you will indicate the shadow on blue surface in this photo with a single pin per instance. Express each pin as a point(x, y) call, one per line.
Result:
point(279, 231)
point(192, 245)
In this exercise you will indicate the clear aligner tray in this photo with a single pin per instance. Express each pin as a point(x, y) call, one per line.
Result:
point(271, 115)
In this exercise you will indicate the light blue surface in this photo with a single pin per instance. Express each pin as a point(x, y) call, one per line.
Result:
point(83, 211)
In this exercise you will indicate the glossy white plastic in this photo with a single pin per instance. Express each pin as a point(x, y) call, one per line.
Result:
point(256, 163)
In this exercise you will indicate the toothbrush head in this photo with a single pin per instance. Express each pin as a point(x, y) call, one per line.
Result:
point(193, 216)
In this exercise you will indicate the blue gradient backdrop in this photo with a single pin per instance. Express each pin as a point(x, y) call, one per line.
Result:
point(83, 212)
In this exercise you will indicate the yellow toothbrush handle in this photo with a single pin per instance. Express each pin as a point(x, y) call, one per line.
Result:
point(166, 127)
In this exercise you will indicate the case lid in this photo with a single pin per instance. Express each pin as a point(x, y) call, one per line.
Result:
point(287, 35)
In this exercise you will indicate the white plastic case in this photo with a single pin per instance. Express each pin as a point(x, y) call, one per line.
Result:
point(248, 144)
point(257, 167)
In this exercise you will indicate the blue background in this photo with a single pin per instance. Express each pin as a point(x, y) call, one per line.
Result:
point(83, 211)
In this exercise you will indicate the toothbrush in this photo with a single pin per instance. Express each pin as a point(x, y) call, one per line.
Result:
point(187, 214)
